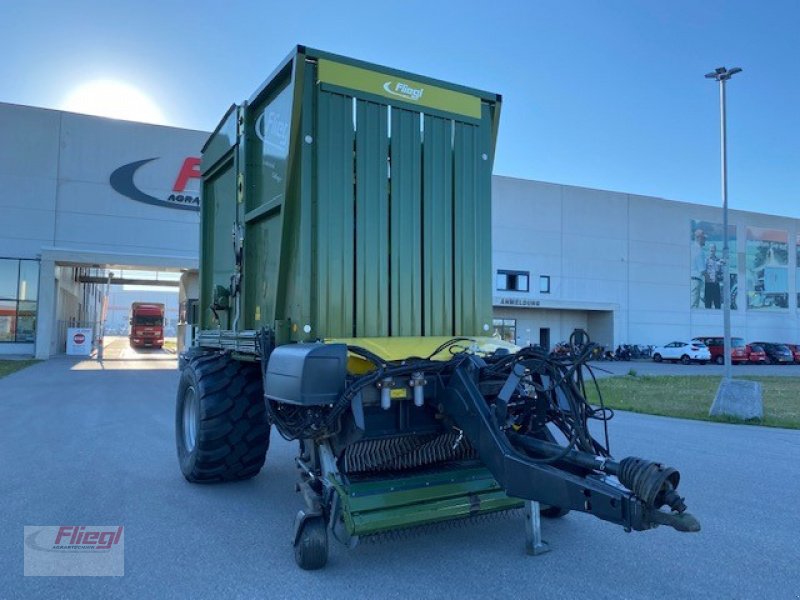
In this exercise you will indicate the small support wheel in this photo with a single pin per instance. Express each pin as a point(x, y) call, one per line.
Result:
point(311, 544)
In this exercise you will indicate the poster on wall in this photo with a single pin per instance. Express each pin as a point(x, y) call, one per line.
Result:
point(707, 268)
point(767, 271)
point(797, 267)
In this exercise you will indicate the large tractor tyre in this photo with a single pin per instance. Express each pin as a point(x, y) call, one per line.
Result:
point(185, 357)
point(221, 425)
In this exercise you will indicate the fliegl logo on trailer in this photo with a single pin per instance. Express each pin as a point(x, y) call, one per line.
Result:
point(395, 86)
point(180, 198)
point(403, 90)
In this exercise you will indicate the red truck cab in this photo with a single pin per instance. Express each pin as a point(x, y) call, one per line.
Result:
point(147, 325)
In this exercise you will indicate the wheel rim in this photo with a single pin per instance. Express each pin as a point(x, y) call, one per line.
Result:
point(190, 414)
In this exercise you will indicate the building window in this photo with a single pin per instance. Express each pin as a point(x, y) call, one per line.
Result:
point(9, 274)
point(19, 292)
point(544, 284)
point(513, 281)
point(506, 329)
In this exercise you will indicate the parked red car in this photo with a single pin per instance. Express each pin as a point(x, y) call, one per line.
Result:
point(716, 347)
point(756, 354)
point(795, 348)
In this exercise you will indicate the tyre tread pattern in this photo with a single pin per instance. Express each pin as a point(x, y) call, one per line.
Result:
point(233, 436)
point(311, 549)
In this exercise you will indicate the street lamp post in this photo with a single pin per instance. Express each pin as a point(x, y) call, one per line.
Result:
point(721, 74)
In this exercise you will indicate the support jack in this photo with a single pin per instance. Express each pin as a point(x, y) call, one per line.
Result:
point(534, 544)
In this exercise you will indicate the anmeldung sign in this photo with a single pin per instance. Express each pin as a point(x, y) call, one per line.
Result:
point(516, 302)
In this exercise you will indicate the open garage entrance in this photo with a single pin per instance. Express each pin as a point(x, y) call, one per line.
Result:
point(550, 326)
point(85, 299)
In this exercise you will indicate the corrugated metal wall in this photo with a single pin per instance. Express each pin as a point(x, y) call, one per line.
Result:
point(402, 221)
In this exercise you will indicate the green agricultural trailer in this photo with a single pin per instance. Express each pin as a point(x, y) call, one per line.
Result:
point(345, 302)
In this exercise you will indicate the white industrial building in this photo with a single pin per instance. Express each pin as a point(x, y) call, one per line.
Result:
point(84, 196)
point(80, 196)
point(620, 266)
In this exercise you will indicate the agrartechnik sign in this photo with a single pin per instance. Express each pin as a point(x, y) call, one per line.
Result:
point(122, 181)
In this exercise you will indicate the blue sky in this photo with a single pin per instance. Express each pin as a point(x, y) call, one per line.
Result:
point(604, 94)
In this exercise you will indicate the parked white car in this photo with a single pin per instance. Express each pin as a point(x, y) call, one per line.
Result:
point(685, 352)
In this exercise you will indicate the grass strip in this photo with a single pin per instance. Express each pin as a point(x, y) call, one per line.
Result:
point(690, 397)
point(11, 366)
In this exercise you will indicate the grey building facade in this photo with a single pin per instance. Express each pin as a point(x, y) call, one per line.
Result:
point(81, 196)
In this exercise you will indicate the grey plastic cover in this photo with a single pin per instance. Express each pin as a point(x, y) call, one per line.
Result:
point(306, 374)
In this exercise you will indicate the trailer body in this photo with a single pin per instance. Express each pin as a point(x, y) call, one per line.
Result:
point(345, 302)
point(358, 199)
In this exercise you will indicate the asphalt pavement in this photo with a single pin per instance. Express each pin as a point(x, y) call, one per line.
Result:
point(84, 442)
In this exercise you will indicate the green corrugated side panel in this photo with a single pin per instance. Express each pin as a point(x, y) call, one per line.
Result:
point(372, 220)
point(220, 141)
point(334, 216)
point(437, 202)
point(483, 276)
point(299, 243)
point(219, 207)
point(262, 260)
point(273, 248)
point(468, 213)
point(353, 258)
point(294, 293)
point(406, 231)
